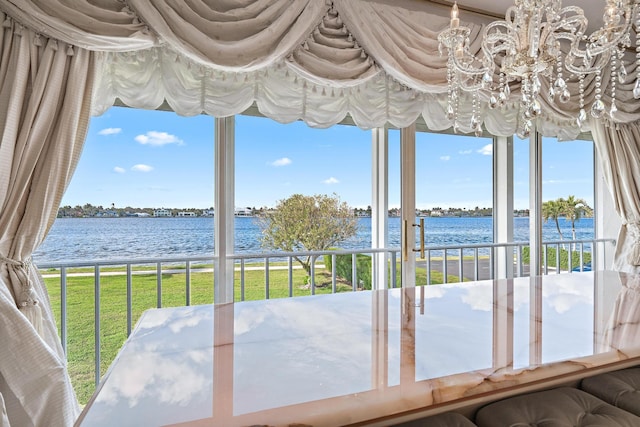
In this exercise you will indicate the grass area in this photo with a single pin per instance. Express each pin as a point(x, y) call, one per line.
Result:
point(113, 306)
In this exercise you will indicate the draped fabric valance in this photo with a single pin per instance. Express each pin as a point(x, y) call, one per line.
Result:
point(314, 60)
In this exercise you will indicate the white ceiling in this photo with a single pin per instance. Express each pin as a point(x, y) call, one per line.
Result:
point(593, 9)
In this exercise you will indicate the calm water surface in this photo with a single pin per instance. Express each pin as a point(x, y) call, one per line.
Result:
point(82, 239)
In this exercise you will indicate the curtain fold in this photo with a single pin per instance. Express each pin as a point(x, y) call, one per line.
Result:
point(236, 36)
point(623, 328)
point(619, 150)
point(4, 418)
point(45, 100)
point(104, 25)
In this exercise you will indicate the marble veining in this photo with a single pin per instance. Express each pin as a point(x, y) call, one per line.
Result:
point(348, 358)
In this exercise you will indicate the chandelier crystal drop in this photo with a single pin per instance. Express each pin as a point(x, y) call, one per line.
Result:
point(542, 48)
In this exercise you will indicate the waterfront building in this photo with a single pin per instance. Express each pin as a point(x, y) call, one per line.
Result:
point(189, 214)
point(107, 214)
point(162, 213)
point(243, 211)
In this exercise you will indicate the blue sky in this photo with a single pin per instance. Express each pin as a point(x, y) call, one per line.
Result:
point(158, 159)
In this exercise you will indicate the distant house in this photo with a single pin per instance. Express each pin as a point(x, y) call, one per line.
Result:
point(107, 214)
point(243, 212)
point(187, 214)
point(208, 212)
point(162, 213)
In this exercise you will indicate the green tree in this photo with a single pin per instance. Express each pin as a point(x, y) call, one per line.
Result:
point(307, 223)
point(574, 209)
point(554, 209)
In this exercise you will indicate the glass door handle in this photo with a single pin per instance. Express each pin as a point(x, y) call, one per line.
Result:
point(405, 230)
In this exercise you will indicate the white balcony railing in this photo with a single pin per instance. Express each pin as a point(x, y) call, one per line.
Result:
point(269, 275)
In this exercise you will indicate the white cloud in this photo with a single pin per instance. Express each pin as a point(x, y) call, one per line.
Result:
point(445, 158)
point(142, 168)
point(465, 152)
point(109, 131)
point(487, 150)
point(158, 139)
point(281, 162)
point(331, 181)
point(118, 169)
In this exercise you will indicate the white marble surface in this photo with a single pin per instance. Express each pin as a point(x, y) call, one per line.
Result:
point(346, 358)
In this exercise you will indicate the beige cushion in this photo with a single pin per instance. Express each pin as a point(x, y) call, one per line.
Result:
point(561, 407)
point(619, 388)
point(448, 419)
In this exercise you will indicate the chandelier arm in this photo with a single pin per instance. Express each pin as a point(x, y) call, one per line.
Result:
point(597, 63)
point(611, 36)
point(471, 84)
point(468, 69)
point(577, 17)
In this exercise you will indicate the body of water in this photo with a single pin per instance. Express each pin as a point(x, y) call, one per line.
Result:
point(83, 239)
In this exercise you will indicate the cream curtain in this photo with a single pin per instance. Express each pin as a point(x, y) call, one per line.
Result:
point(623, 329)
point(45, 96)
point(619, 149)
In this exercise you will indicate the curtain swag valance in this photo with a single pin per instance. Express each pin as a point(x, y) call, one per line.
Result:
point(311, 60)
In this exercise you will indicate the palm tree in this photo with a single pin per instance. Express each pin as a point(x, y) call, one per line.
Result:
point(554, 209)
point(573, 210)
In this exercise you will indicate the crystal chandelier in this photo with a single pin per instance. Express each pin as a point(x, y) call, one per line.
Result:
point(538, 41)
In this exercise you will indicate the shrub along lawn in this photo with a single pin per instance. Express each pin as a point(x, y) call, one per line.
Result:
point(113, 307)
point(564, 258)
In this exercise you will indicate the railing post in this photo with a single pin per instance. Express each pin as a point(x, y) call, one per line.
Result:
point(460, 266)
point(354, 272)
point(394, 270)
point(266, 278)
point(242, 280)
point(96, 311)
point(428, 266)
point(476, 266)
point(313, 275)
point(63, 309)
point(129, 301)
point(290, 268)
point(333, 273)
point(159, 284)
point(445, 267)
point(187, 292)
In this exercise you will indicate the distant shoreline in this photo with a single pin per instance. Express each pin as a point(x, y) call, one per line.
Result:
point(90, 211)
point(256, 216)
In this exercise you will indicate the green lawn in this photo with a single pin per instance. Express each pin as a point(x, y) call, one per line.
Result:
point(113, 311)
